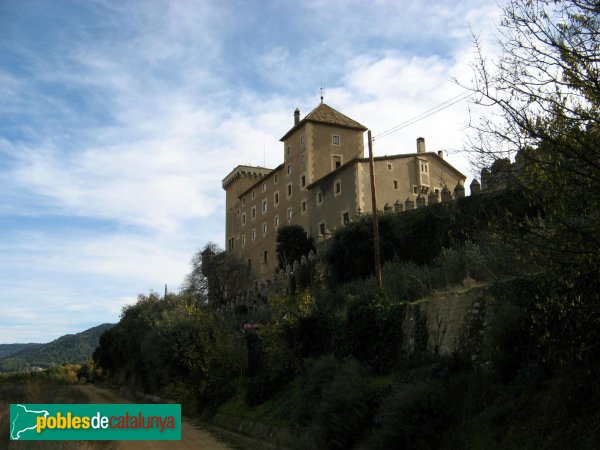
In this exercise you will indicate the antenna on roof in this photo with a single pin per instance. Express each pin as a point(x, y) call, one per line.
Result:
point(322, 91)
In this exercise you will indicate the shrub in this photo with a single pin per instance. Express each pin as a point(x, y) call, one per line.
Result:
point(333, 404)
point(373, 332)
point(412, 418)
point(419, 236)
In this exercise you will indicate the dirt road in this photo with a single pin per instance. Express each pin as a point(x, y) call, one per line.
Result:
point(192, 437)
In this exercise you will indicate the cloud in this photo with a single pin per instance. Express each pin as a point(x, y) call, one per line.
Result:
point(120, 119)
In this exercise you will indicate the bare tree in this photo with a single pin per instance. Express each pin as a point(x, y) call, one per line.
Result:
point(217, 277)
point(543, 94)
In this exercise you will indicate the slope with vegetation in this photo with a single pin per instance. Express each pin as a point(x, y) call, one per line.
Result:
point(67, 349)
point(336, 367)
point(7, 350)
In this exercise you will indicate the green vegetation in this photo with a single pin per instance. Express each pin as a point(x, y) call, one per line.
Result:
point(337, 369)
point(10, 349)
point(292, 244)
point(419, 236)
point(68, 349)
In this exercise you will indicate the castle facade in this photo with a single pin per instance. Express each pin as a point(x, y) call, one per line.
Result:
point(322, 184)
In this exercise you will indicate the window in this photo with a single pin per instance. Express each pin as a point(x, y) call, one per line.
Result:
point(289, 150)
point(243, 240)
point(337, 189)
point(244, 219)
point(264, 186)
point(415, 189)
point(337, 161)
point(230, 242)
point(335, 139)
point(289, 169)
point(249, 264)
point(303, 181)
point(395, 184)
point(264, 206)
point(238, 212)
point(276, 179)
point(319, 198)
point(243, 201)
point(265, 257)
point(303, 206)
point(289, 213)
point(389, 166)
point(424, 167)
point(345, 217)
point(302, 159)
point(289, 189)
point(253, 233)
point(253, 195)
point(276, 198)
point(253, 213)
point(276, 222)
point(322, 228)
point(302, 140)
point(264, 229)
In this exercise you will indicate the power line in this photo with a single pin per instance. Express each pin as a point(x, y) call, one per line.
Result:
point(423, 115)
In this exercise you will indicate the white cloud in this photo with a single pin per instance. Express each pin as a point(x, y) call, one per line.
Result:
point(132, 117)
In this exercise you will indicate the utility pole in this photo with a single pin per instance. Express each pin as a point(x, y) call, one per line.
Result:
point(375, 219)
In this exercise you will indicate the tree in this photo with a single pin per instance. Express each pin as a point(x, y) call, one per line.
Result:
point(544, 89)
point(217, 277)
point(196, 282)
point(292, 244)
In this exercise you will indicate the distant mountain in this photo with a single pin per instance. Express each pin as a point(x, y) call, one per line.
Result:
point(67, 349)
point(11, 349)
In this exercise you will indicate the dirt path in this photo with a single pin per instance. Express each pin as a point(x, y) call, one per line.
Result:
point(192, 437)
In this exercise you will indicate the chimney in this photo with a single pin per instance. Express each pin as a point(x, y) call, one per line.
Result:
point(420, 145)
point(441, 154)
point(296, 117)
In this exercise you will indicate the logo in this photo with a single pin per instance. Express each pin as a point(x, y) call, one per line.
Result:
point(95, 422)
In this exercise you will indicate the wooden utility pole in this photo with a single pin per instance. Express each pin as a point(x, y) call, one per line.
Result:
point(375, 219)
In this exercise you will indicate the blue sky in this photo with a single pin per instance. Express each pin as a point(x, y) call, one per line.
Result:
point(119, 119)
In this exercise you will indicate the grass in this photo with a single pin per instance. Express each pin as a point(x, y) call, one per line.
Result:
point(274, 412)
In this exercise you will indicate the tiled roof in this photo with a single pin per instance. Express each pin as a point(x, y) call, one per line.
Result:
point(327, 115)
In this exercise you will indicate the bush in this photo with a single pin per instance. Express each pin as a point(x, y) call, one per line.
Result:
point(419, 236)
point(412, 418)
point(269, 365)
point(333, 404)
point(309, 336)
point(373, 333)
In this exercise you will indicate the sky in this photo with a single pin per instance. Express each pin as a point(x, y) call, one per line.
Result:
point(119, 120)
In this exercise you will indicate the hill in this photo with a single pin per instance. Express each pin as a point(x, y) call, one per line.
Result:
point(7, 350)
point(67, 349)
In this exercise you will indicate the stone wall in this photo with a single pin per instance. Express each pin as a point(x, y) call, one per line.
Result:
point(447, 320)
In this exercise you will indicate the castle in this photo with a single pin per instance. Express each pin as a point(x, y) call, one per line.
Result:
point(322, 184)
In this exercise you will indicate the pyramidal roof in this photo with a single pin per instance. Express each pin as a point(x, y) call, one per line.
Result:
point(325, 114)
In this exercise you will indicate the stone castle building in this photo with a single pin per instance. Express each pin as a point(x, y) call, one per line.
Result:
point(322, 184)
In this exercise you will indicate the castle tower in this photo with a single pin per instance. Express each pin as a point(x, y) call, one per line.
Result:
point(238, 180)
point(321, 142)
